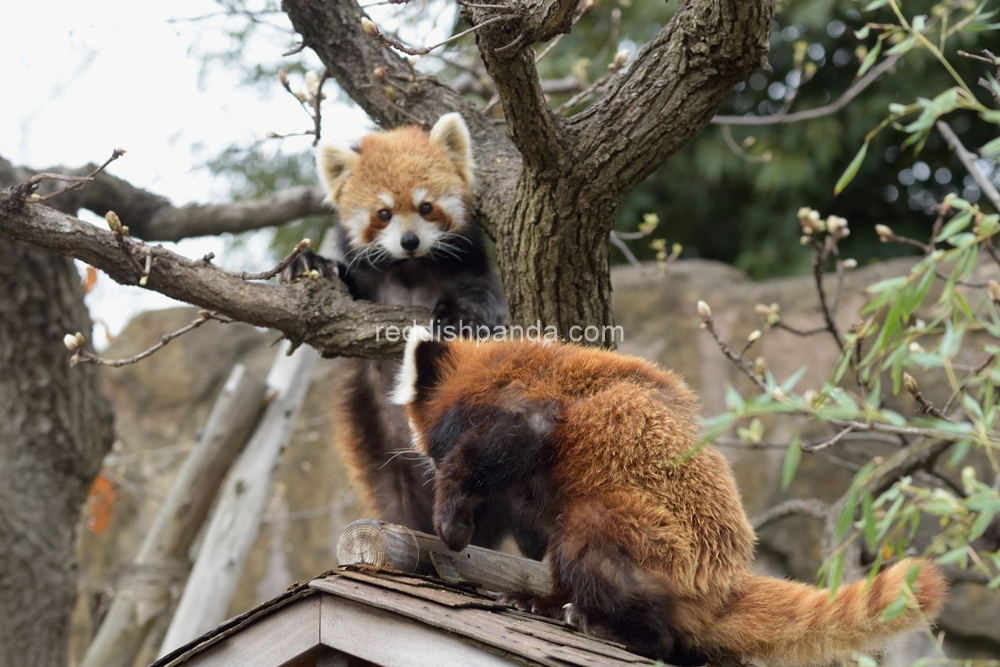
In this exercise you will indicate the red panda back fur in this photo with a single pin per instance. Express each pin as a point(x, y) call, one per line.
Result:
point(670, 525)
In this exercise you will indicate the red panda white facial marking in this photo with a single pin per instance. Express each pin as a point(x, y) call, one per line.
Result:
point(403, 194)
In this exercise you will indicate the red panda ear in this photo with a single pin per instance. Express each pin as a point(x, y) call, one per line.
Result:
point(421, 369)
point(452, 134)
point(335, 163)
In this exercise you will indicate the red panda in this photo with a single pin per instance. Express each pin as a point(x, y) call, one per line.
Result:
point(405, 237)
point(647, 544)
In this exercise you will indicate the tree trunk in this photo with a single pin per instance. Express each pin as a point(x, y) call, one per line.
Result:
point(555, 260)
point(55, 427)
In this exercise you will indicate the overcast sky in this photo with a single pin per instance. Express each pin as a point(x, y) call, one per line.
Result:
point(83, 78)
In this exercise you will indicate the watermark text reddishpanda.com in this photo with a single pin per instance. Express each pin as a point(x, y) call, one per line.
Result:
point(482, 333)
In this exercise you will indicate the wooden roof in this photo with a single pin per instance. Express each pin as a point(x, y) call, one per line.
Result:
point(390, 618)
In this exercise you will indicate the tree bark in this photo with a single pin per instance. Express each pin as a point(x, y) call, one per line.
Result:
point(55, 427)
point(551, 187)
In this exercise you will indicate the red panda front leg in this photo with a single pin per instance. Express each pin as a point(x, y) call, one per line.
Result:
point(483, 457)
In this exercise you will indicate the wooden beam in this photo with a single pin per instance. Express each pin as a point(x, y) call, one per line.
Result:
point(371, 542)
point(145, 592)
point(242, 500)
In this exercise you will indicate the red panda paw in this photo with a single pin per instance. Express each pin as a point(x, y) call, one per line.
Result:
point(308, 264)
point(535, 604)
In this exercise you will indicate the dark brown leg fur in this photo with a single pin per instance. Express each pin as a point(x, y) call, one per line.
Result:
point(612, 596)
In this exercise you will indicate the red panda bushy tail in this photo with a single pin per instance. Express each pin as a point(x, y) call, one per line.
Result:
point(786, 623)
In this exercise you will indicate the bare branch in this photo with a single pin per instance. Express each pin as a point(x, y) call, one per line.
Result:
point(265, 275)
point(629, 255)
point(926, 407)
point(84, 357)
point(830, 442)
point(672, 89)
point(807, 506)
point(318, 312)
point(810, 114)
point(969, 162)
point(738, 360)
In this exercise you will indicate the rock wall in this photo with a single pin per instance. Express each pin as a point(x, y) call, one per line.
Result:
point(161, 403)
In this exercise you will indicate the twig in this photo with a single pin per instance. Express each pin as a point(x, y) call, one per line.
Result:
point(822, 252)
point(120, 234)
point(621, 245)
point(969, 162)
point(741, 363)
point(799, 332)
point(373, 30)
point(737, 149)
point(819, 112)
point(617, 65)
point(115, 154)
point(299, 247)
point(830, 442)
point(316, 99)
point(808, 506)
point(973, 373)
point(82, 356)
point(807, 445)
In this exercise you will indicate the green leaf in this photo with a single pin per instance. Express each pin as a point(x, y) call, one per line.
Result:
point(851, 171)
point(836, 574)
point(895, 609)
point(868, 516)
point(870, 59)
point(846, 515)
point(734, 402)
point(958, 555)
point(955, 225)
point(990, 148)
point(981, 523)
point(792, 457)
point(903, 46)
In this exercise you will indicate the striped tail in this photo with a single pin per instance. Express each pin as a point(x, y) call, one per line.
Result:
point(783, 623)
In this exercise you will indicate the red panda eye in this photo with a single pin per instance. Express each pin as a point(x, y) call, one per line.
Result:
point(385, 215)
point(426, 208)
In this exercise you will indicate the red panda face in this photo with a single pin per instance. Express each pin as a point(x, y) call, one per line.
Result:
point(403, 193)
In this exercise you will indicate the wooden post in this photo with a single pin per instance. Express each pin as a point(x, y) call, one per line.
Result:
point(372, 542)
point(144, 593)
point(235, 523)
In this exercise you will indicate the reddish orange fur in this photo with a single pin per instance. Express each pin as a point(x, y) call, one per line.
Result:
point(622, 432)
point(398, 162)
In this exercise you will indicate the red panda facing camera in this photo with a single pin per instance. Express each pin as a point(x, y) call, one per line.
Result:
point(405, 237)
point(647, 544)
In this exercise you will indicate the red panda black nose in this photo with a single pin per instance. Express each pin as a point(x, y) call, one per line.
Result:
point(410, 241)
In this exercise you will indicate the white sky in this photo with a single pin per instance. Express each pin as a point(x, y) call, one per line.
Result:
point(83, 78)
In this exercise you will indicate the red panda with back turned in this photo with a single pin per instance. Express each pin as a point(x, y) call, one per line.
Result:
point(645, 546)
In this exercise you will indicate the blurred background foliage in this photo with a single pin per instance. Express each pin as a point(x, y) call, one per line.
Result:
point(732, 199)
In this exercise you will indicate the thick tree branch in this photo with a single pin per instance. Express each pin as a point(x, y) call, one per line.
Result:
point(672, 89)
point(152, 217)
point(320, 312)
point(510, 62)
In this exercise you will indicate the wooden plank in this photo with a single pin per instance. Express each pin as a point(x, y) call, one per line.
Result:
point(391, 641)
point(242, 500)
point(424, 589)
point(499, 629)
point(378, 543)
point(569, 637)
point(272, 641)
